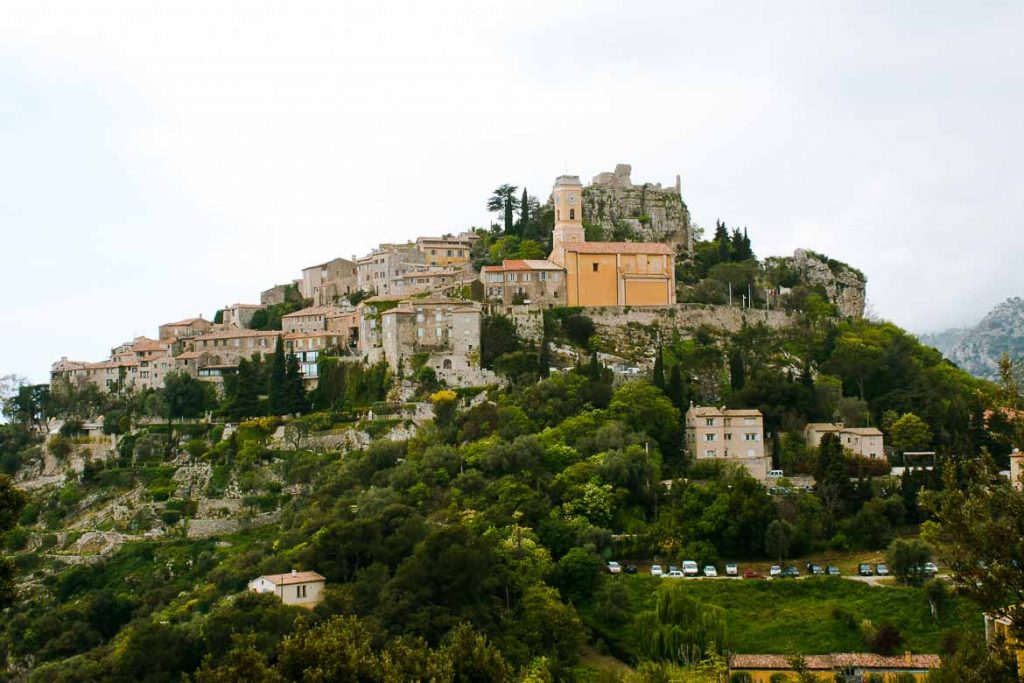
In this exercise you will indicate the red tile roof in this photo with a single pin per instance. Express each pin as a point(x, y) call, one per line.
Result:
point(618, 248)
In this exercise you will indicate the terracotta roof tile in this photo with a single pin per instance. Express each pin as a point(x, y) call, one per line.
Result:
point(619, 248)
point(859, 660)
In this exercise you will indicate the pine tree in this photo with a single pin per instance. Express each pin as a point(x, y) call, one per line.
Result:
point(724, 244)
point(275, 385)
point(294, 394)
point(659, 370)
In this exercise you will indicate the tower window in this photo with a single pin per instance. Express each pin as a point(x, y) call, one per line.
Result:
point(572, 214)
point(594, 265)
point(558, 215)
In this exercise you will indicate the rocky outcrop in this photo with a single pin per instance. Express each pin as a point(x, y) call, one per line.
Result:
point(845, 286)
point(645, 213)
point(1001, 331)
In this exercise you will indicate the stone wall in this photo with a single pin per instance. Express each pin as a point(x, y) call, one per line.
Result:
point(612, 197)
point(846, 287)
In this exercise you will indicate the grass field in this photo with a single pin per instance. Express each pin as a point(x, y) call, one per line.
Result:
point(785, 617)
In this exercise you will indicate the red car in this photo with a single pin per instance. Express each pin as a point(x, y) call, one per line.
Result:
point(751, 574)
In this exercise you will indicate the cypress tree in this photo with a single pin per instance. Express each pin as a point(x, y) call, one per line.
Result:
point(659, 370)
point(524, 214)
point(675, 390)
point(246, 401)
point(544, 358)
point(294, 394)
point(275, 385)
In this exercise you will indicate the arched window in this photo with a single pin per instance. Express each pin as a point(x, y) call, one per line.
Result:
point(572, 214)
point(447, 365)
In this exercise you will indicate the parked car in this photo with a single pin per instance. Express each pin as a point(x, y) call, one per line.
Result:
point(930, 569)
point(732, 570)
point(881, 570)
point(815, 569)
point(751, 574)
point(774, 474)
point(789, 573)
point(631, 569)
point(864, 569)
point(690, 568)
point(711, 571)
point(833, 570)
point(775, 570)
point(656, 570)
point(614, 568)
point(674, 574)
point(672, 568)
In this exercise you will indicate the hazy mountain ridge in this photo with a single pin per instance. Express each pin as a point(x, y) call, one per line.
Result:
point(978, 349)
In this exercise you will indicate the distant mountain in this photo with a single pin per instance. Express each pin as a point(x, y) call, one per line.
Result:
point(944, 341)
point(978, 349)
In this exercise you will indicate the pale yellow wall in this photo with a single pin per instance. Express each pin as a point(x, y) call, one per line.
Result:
point(588, 287)
point(646, 292)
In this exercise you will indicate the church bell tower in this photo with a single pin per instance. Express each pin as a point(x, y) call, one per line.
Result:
point(567, 196)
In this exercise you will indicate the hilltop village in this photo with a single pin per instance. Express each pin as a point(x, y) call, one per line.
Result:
point(557, 415)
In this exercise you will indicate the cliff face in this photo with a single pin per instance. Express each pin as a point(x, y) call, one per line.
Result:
point(978, 350)
point(646, 212)
point(845, 286)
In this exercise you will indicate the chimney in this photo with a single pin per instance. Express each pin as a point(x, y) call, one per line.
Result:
point(294, 572)
point(908, 658)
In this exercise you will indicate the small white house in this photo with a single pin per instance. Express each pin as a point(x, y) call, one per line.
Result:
point(305, 589)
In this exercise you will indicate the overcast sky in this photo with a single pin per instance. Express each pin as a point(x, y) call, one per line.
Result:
point(160, 160)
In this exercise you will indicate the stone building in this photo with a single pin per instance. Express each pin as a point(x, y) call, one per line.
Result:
point(540, 282)
point(239, 315)
point(304, 589)
point(190, 327)
point(446, 250)
point(375, 272)
point(429, 279)
point(868, 442)
point(312, 319)
point(142, 363)
point(607, 273)
point(446, 331)
point(328, 282)
point(732, 435)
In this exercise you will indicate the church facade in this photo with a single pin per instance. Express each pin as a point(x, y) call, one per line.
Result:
point(606, 273)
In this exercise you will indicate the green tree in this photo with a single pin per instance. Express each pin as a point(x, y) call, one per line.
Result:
point(907, 557)
point(504, 201)
point(646, 409)
point(680, 629)
point(777, 538)
point(12, 502)
point(186, 396)
point(676, 391)
point(544, 359)
point(243, 389)
point(659, 369)
point(276, 381)
point(910, 433)
point(294, 392)
point(497, 337)
point(832, 482)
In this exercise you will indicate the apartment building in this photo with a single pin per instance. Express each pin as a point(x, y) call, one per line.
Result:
point(868, 442)
point(326, 283)
point(734, 435)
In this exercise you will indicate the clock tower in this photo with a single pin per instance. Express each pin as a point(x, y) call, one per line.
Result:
point(567, 196)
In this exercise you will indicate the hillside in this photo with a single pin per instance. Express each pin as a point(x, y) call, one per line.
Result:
point(456, 529)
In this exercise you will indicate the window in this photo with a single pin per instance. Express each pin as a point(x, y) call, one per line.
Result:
point(750, 436)
point(419, 332)
point(450, 252)
point(542, 276)
point(709, 421)
point(710, 453)
point(438, 332)
point(728, 436)
point(709, 437)
point(526, 277)
point(749, 420)
point(572, 214)
point(594, 266)
point(419, 317)
point(511, 277)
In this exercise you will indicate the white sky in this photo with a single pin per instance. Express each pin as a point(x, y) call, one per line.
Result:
point(160, 160)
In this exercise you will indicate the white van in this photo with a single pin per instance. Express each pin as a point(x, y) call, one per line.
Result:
point(690, 568)
point(775, 474)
